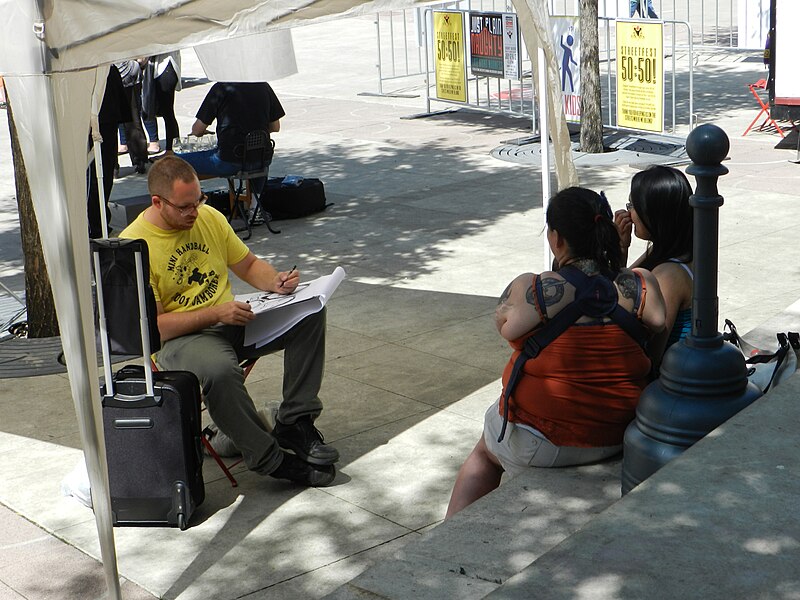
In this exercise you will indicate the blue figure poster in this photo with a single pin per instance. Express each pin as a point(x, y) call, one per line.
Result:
point(566, 38)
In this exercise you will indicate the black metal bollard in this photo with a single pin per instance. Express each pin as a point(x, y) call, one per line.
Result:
point(703, 380)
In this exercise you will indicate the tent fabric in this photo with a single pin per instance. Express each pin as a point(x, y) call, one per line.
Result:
point(51, 51)
point(81, 34)
point(259, 57)
point(52, 117)
point(533, 18)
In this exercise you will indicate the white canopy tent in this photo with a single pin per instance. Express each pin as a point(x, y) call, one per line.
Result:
point(51, 53)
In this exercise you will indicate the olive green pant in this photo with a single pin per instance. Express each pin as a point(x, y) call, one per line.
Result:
point(214, 355)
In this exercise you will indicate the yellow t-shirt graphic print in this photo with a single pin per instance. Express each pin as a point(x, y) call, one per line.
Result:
point(186, 267)
point(189, 269)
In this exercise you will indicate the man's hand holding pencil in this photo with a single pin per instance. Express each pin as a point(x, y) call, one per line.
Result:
point(288, 280)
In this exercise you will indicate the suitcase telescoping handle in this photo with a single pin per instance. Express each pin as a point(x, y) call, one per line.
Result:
point(143, 326)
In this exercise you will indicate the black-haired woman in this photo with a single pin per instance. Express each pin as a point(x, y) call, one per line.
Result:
point(588, 320)
point(658, 211)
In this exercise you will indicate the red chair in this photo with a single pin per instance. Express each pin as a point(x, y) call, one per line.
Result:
point(761, 84)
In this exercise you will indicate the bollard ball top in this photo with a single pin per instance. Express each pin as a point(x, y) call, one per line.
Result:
point(707, 145)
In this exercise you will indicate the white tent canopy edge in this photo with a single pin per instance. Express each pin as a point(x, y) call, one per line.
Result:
point(52, 49)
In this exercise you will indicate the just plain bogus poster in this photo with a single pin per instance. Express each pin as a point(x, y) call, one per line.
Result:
point(494, 45)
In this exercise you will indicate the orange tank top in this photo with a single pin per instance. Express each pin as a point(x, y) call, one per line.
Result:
point(583, 388)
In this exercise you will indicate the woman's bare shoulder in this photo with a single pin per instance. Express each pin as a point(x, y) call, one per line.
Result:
point(674, 279)
point(627, 281)
point(520, 280)
point(515, 314)
point(672, 269)
point(522, 289)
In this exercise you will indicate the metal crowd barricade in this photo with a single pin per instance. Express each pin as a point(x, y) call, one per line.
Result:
point(715, 23)
point(400, 49)
point(678, 54)
point(407, 54)
point(501, 96)
point(403, 56)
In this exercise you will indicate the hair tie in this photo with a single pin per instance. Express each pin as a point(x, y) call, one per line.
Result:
point(605, 207)
point(597, 218)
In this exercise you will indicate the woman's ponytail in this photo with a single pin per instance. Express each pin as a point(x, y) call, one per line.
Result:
point(584, 220)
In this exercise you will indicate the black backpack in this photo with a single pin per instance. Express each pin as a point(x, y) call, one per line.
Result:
point(121, 296)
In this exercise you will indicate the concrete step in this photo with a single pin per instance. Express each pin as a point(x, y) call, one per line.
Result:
point(493, 547)
point(475, 552)
point(719, 522)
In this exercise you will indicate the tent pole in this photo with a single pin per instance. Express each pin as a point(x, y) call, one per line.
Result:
point(544, 137)
point(97, 139)
point(101, 191)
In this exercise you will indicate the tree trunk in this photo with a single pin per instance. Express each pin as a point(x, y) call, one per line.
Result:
point(42, 320)
point(591, 102)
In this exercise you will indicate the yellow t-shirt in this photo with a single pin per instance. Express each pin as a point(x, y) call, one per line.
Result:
point(189, 269)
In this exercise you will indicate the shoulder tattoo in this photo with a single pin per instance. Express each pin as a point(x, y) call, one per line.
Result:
point(627, 285)
point(530, 296)
point(506, 293)
point(553, 290)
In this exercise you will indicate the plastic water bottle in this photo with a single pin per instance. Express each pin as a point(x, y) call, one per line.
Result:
point(292, 181)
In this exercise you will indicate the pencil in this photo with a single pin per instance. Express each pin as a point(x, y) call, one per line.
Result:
point(288, 274)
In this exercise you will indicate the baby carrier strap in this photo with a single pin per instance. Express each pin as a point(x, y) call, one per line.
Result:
point(596, 301)
point(540, 305)
point(595, 296)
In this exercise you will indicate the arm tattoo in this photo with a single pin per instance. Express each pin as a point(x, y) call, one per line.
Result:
point(506, 293)
point(553, 290)
point(627, 285)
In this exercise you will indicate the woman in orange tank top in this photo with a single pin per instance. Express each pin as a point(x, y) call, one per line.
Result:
point(573, 401)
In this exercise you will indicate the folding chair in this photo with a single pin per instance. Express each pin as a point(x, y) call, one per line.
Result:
point(257, 154)
point(247, 366)
point(761, 84)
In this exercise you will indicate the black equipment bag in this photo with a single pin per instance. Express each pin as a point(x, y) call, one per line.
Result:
point(120, 295)
point(151, 420)
point(283, 199)
point(220, 199)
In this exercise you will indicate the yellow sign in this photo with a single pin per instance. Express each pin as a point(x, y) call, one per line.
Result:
point(451, 66)
point(640, 75)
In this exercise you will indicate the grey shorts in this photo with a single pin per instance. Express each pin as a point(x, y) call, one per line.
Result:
point(522, 448)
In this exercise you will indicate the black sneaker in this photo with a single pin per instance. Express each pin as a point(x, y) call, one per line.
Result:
point(297, 470)
point(306, 441)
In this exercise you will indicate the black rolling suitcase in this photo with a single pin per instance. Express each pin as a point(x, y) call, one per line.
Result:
point(151, 420)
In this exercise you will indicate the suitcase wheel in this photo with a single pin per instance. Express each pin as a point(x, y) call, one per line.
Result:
point(182, 521)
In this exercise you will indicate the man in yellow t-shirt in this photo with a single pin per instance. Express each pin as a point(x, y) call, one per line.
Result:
point(192, 246)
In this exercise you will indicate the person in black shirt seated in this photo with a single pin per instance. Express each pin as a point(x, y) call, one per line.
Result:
point(238, 108)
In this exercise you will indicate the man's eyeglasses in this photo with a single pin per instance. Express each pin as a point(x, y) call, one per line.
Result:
point(186, 209)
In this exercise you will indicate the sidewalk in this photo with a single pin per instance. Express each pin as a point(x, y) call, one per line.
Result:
point(430, 227)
